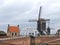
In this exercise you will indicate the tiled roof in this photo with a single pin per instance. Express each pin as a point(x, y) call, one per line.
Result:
point(13, 28)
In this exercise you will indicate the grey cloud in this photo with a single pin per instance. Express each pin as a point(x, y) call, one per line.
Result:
point(9, 13)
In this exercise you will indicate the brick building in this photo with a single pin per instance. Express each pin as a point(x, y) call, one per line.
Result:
point(13, 31)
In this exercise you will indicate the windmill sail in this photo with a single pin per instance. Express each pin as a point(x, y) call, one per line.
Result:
point(39, 13)
point(41, 23)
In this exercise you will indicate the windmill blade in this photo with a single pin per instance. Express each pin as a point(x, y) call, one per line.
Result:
point(39, 13)
point(35, 20)
point(41, 19)
point(32, 20)
point(52, 28)
point(55, 20)
point(47, 19)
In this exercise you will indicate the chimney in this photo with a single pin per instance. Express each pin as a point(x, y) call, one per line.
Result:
point(8, 25)
point(8, 28)
point(17, 25)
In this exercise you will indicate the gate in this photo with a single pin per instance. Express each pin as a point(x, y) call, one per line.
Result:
point(32, 40)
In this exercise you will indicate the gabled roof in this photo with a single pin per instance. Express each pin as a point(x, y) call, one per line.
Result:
point(13, 28)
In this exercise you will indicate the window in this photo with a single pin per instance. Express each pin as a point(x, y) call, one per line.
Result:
point(32, 33)
point(15, 33)
point(29, 33)
point(12, 34)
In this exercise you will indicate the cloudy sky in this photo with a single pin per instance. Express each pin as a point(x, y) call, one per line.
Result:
point(16, 12)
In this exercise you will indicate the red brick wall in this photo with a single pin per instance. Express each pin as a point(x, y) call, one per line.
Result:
point(44, 39)
point(20, 41)
point(26, 40)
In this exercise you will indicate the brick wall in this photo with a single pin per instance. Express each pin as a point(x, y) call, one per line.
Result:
point(44, 39)
point(19, 41)
point(27, 40)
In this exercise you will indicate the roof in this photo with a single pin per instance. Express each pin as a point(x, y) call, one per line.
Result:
point(13, 28)
point(2, 32)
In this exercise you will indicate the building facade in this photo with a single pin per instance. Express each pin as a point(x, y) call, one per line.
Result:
point(13, 31)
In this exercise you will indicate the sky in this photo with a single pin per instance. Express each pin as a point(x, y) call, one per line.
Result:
point(16, 12)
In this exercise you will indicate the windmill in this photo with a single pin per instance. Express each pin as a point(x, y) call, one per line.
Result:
point(41, 23)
